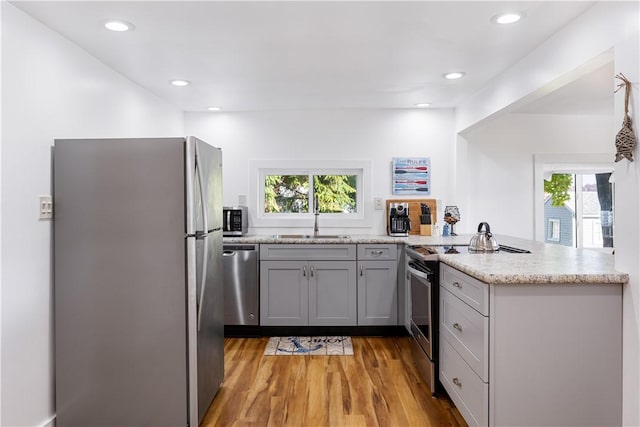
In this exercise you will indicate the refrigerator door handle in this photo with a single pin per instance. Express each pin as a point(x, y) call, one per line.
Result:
point(203, 279)
point(203, 199)
point(203, 236)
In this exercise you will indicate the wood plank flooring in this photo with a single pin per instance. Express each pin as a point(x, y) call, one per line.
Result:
point(377, 386)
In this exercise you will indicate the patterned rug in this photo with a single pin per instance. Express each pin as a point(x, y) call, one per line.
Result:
point(296, 346)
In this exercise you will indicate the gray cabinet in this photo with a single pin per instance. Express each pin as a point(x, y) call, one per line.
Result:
point(531, 354)
point(284, 292)
point(323, 285)
point(332, 293)
point(308, 285)
point(377, 284)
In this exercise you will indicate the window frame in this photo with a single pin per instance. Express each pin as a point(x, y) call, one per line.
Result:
point(259, 169)
point(574, 164)
point(553, 224)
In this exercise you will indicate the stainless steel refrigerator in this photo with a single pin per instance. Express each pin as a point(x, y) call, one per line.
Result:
point(137, 281)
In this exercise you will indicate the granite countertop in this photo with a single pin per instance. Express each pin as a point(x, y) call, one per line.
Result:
point(546, 264)
point(346, 239)
point(354, 239)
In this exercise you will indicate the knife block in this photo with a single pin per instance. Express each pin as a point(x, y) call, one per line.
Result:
point(425, 229)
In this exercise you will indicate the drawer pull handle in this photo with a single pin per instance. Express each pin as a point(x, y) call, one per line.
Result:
point(457, 326)
point(457, 285)
point(377, 252)
point(361, 271)
point(311, 270)
point(304, 271)
point(457, 382)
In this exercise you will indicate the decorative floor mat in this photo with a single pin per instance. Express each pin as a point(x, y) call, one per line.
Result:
point(323, 346)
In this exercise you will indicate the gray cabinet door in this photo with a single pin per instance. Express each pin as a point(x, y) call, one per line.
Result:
point(284, 293)
point(332, 293)
point(377, 293)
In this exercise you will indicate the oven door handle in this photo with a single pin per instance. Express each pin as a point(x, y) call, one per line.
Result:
point(419, 273)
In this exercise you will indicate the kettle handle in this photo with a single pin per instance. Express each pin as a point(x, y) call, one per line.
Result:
point(486, 226)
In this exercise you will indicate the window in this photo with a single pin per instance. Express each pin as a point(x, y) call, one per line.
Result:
point(582, 205)
point(286, 193)
point(283, 193)
point(581, 198)
point(553, 233)
point(292, 194)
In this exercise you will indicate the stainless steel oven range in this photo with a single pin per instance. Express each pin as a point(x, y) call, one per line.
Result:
point(422, 273)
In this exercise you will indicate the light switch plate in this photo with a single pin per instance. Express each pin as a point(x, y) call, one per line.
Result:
point(242, 199)
point(45, 207)
point(378, 204)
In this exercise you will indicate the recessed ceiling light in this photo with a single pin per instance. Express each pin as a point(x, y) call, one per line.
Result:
point(454, 75)
point(423, 105)
point(507, 18)
point(180, 82)
point(214, 108)
point(119, 26)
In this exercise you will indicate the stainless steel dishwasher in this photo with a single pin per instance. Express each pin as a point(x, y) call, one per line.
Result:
point(241, 285)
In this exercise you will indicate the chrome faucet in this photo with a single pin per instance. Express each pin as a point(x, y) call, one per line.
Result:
point(316, 213)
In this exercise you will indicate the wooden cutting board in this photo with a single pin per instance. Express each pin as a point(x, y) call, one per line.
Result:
point(414, 212)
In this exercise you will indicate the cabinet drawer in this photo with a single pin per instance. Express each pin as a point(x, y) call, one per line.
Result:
point(307, 252)
point(467, 331)
point(470, 290)
point(377, 251)
point(466, 389)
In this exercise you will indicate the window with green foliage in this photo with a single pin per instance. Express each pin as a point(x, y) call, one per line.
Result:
point(286, 193)
point(558, 188)
point(579, 209)
point(298, 193)
point(335, 193)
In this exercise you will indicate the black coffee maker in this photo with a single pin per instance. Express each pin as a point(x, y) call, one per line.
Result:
point(399, 222)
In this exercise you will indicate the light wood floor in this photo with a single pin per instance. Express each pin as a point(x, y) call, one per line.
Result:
point(378, 386)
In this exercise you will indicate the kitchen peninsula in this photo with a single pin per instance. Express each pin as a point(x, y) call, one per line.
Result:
point(545, 264)
point(525, 339)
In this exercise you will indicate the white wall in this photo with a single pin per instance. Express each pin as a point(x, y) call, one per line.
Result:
point(627, 222)
point(498, 182)
point(1, 205)
point(606, 26)
point(376, 135)
point(50, 89)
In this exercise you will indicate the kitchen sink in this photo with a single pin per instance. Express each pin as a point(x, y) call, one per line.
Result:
point(310, 236)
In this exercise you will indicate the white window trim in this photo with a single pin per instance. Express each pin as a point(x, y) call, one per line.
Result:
point(551, 236)
point(546, 164)
point(259, 168)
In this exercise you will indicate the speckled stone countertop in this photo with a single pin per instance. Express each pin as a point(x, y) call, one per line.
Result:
point(546, 264)
point(353, 239)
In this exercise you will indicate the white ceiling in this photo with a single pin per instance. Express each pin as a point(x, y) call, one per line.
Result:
point(308, 55)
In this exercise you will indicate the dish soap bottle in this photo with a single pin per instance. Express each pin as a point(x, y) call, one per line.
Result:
point(446, 230)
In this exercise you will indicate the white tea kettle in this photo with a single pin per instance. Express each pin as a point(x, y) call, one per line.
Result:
point(483, 241)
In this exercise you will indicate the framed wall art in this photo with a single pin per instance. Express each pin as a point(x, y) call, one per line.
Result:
point(411, 176)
